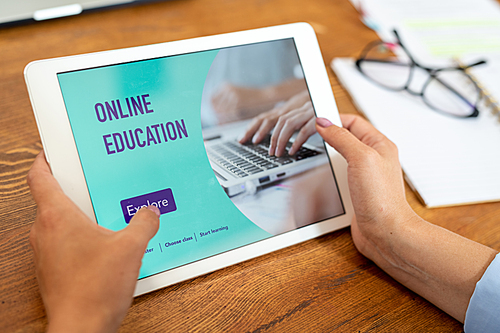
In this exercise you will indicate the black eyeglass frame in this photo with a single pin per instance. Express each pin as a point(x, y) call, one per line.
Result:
point(433, 75)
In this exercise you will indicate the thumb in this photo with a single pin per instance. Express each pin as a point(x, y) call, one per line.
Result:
point(144, 224)
point(341, 139)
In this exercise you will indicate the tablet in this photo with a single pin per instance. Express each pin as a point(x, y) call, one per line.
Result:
point(161, 125)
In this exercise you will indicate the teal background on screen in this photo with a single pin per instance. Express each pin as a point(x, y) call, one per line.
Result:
point(175, 86)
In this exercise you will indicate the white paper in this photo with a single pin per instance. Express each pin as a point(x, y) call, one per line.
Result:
point(449, 161)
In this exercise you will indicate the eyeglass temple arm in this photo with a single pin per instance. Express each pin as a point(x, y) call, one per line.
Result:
point(402, 45)
point(480, 62)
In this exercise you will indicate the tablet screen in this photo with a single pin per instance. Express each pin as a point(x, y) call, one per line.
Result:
point(167, 132)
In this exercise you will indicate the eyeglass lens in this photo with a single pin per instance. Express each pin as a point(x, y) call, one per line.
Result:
point(452, 92)
point(381, 65)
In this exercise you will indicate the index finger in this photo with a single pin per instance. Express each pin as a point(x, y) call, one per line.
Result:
point(41, 181)
point(144, 225)
point(250, 131)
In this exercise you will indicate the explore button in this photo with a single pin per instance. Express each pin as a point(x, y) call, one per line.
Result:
point(163, 200)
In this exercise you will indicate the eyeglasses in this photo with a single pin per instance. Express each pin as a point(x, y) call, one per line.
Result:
point(446, 90)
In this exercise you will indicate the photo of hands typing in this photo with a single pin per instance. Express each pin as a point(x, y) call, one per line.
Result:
point(259, 131)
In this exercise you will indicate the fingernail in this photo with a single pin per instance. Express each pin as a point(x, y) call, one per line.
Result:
point(155, 210)
point(323, 122)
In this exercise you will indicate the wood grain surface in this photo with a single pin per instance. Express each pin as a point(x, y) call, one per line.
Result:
point(321, 285)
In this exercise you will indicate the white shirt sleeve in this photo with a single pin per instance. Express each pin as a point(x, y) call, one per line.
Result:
point(483, 313)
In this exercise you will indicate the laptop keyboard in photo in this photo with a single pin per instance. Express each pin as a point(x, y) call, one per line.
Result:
point(248, 159)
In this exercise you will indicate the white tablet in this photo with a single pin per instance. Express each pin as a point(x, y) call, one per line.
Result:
point(160, 125)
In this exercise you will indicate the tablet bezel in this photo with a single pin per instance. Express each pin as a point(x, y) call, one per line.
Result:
point(61, 153)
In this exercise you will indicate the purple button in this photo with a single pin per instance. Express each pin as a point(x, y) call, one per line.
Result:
point(163, 199)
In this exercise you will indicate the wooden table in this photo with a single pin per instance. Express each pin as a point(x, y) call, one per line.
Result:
point(320, 285)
